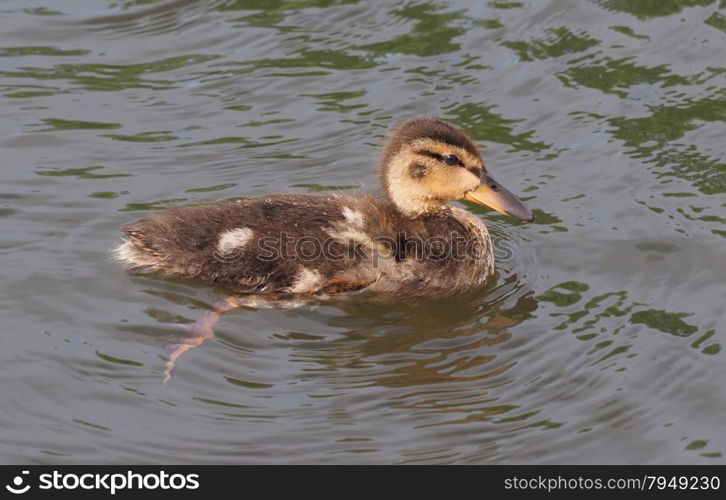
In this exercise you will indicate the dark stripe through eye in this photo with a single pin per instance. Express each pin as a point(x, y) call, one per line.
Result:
point(431, 154)
point(448, 159)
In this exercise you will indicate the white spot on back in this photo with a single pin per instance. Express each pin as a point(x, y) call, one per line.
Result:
point(307, 280)
point(234, 239)
point(353, 217)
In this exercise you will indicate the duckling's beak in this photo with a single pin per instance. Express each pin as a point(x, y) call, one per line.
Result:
point(493, 195)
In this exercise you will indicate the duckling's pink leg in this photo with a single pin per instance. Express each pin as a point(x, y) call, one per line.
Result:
point(201, 331)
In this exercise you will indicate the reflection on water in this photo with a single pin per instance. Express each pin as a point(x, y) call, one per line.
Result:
point(608, 314)
point(435, 359)
point(430, 342)
point(599, 341)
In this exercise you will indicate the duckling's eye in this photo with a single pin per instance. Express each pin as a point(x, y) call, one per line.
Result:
point(451, 160)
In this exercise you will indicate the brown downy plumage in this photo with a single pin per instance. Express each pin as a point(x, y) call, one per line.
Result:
point(411, 241)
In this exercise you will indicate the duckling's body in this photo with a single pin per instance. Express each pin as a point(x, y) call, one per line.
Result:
point(412, 241)
point(311, 244)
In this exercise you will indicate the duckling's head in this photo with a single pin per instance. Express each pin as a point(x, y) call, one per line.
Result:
point(426, 162)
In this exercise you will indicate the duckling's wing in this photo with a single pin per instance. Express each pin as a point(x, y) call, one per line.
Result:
point(281, 244)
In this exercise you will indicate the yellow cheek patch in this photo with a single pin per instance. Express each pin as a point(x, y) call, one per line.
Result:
point(449, 183)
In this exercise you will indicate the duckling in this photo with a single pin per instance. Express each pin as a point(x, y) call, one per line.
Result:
point(411, 241)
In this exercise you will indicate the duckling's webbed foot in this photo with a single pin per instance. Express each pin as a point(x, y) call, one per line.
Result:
point(200, 332)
